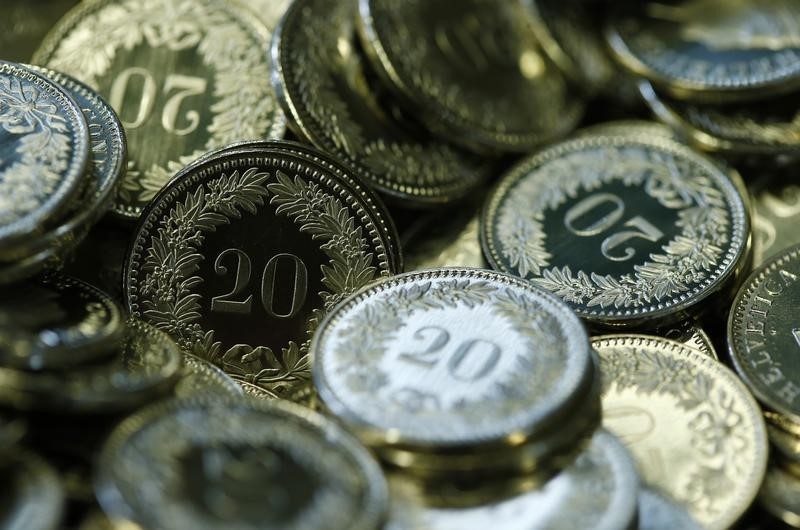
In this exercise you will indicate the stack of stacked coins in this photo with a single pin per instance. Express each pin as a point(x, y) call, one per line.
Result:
point(399, 264)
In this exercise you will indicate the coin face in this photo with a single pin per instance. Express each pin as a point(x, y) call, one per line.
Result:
point(279, 234)
point(450, 358)
point(762, 336)
point(472, 69)
point(770, 127)
point(207, 463)
point(626, 230)
point(45, 149)
point(657, 512)
point(712, 48)
point(693, 428)
point(184, 78)
point(57, 322)
point(776, 205)
point(323, 84)
point(202, 377)
point(146, 369)
point(599, 490)
point(268, 11)
point(33, 498)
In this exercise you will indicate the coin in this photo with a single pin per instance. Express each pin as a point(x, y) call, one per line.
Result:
point(691, 425)
point(453, 369)
point(249, 304)
point(147, 368)
point(202, 377)
point(25, 23)
point(57, 322)
point(184, 78)
point(48, 259)
point(776, 202)
point(784, 439)
point(598, 491)
point(32, 495)
point(45, 149)
point(12, 431)
point(658, 512)
point(472, 70)
point(322, 83)
point(107, 158)
point(779, 496)
point(762, 337)
point(269, 12)
point(567, 36)
point(712, 49)
point(690, 333)
point(627, 230)
point(204, 463)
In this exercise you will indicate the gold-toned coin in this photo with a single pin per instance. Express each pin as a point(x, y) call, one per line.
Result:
point(694, 429)
point(201, 377)
point(780, 495)
point(184, 78)
point(776, 213)
point(599, 491)
point(472, 70)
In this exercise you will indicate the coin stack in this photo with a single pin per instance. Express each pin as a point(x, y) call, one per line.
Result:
point(399, 264)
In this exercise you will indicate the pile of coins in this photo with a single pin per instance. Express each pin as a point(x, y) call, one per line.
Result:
point(399, 264)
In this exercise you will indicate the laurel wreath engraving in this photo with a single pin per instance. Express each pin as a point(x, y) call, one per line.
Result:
point(685, 260)
point(714, 419)
point(370, 332)
point(237, 62)
point(168, 299)
point(42, 148)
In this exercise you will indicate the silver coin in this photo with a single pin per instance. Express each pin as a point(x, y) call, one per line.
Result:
point(33, 494)
point(658, 512)
point(202, 377)
point(239, 464)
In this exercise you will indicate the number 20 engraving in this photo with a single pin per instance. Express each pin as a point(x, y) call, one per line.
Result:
point(227, 303)
point(430, 357)
point(642, 227)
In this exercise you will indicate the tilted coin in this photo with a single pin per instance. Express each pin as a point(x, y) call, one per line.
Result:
point(763, 337)
point(107, 159)
point(48, 259)
point(658, 512)
point(712, 49)
point(770, 127)
point(208, 463)
point(453, 370)
point(33, 498)
point(690, 333)
point(57, 322)
point(12, 430)
point(147, 368)
point(569, 39)
point(599, 490)
point(184, 78)
point(202, 377)
point(627, 230)
point(244, 250)
point(322, 83)
point(692, 426)
point(473, 71)
point(637, 128)
point(25, 23)
point(780, 496)
point(784, 439)
point(45, 150)
point(776, 212)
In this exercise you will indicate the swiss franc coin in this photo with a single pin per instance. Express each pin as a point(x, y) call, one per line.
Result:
point(712, 49)
point(211, 463)
point(33, 498)
point(763, 336)
point(184, 78)
point(473, 70)
point(452, 361)
point(201, 377)
point(57, 322)
point(44, 150)
point(147, 368)
point(243, 252)
point(322, 82)
point(776, 212)
point(599, 491)
point(626, 229)
point(692, 426)
point(658, 512)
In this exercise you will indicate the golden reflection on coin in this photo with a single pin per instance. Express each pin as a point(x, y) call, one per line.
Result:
point(694, 429)
point(184, 77)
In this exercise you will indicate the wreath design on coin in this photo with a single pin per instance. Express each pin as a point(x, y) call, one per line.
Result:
point(367, 339)
point(239, 113)
point(686, 259)
point(43, 149)
point(168, 300)
point(714, 419)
